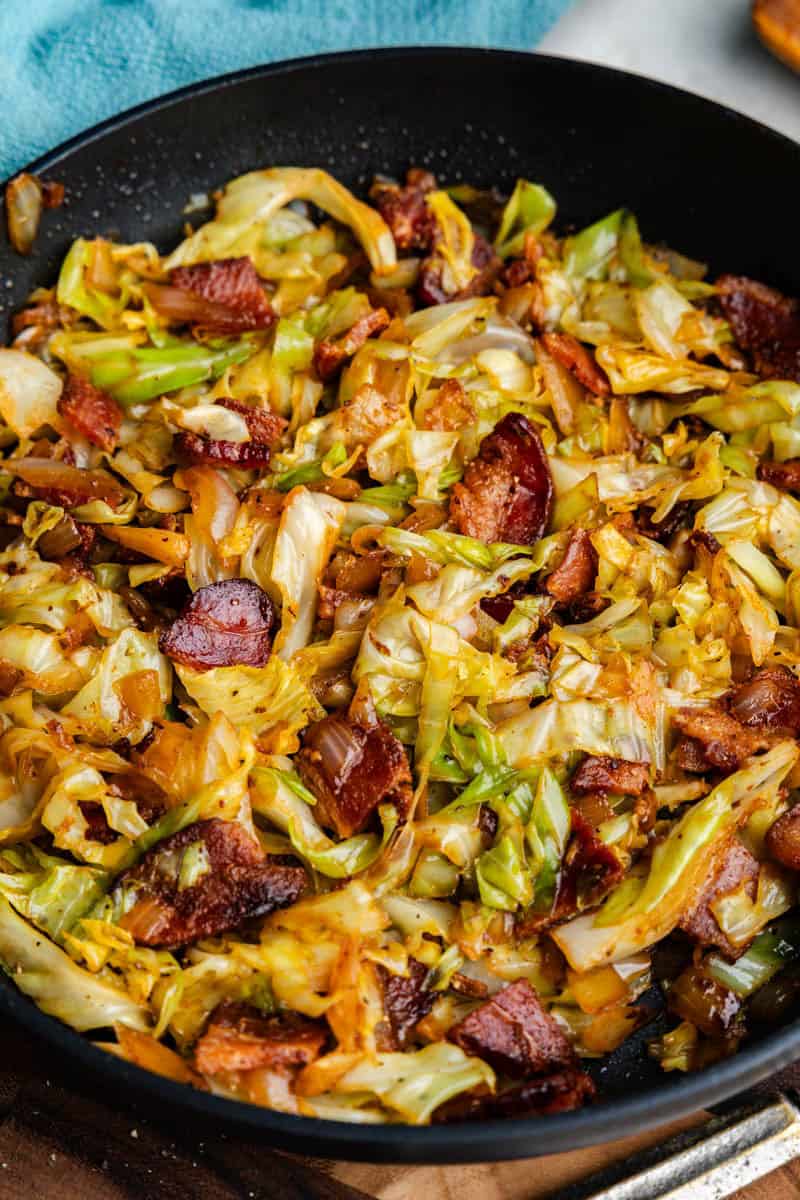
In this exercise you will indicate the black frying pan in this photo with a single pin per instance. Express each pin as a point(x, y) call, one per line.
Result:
point(705, 180)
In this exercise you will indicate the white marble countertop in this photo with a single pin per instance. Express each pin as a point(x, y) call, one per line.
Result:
point(705, 46)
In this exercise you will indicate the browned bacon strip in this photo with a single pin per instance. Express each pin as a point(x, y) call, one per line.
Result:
point(590, 869)
point(263, 425)
point(404, 209)
point(329, 356)
point(92, 412)
point(574, 575)
point(715, 740)
point(351, 770)
point(610, 776)
point(225, 296)
point(265, 428)
point(431, 289)
point(785, 475)
point(507, 492)
point(737, 867)
point(514, 1034)
point(561, 1091)
point(765, 323)
point(240, 1038)
point(191, 449)
point(577, 359)
point(224, 624)
point(406, 1000)
point(241, 883)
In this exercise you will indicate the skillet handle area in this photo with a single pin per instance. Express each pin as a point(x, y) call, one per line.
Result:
point(707, 1163)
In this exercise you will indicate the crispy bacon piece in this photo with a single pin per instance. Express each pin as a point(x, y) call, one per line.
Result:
point(91, 411)
point(500, 607)
point(265, 428)
point(765, 323)
point(452, 409)
point(404, 209)
point(517, 272)
point(736, 867)
point(431, 289)
point(53, 192)
point(488, 822)
point(241, 883)
point(10, 677)
point(769, 700)
point(583, 608)
point(747, 719)
point(784, 475)
point(677, 518)
point(263, 425)
point(507, 492)
point(645, 810)
point(514, 1034)
point(351, 769)
point(225, 296)
point(610, 776)
point(702, 542)
point(720, 741)
point(590, 869)
point(561, 1091)
point(575, 573)
point(240, 1038)
point(224, 624)
point(191, 449)
point(783, 839)
point(406, 1000)
point(329, 356)
point(44, 315)
point(577, 359)
point(97, 826)
point(465, 985)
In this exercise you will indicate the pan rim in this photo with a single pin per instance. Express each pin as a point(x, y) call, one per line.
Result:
point(285, 66)
point(444, 1144)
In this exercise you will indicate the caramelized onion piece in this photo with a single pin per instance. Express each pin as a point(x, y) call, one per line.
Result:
point(770, 700)
point(64, 484)
point(24, 206)
point(783, 839)
point(224, 624)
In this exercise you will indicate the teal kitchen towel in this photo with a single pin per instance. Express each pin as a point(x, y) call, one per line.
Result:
point(66, 64)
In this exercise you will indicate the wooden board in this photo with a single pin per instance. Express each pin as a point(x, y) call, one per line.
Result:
point(57, 1140)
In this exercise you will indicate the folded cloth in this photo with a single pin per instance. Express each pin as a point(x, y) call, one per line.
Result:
point(66, 64)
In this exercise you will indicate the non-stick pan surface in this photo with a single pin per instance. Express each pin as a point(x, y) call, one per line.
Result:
point(704, 180)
